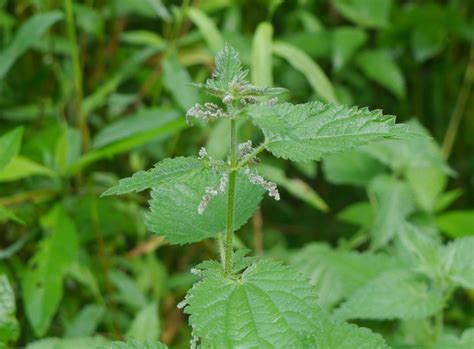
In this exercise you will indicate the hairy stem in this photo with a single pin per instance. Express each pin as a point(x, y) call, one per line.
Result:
point(231, 199)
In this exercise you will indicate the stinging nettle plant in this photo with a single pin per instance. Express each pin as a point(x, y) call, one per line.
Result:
point(241, 301)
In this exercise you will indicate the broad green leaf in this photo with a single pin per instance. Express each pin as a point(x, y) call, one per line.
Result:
point(352, 167)
point(379, 66)
point(134, 344)
point(42, 281)
point(367, 13)
point(10, 143)
point(459, 261)
point(456, 223)
point(164, 173)
point(208, 29)
point(261, 66)
point(86, 321)
point(393, 203)
point(466, 341)
point(312, 130)
point(176, 80)
point(427, 184)
point(69, 343)
point(21, 167)
point(346, 41)
point(295, 186)
point(299, 60)
point(127, 70)
point(68, 147)
point(9, 326)
point(337, 274)
point(330, 334)
point(30, 32)
point(174, 208)
point(267, 306)
point(146, 325)
point(395, 294)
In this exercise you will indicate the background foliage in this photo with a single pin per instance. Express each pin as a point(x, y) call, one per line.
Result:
point(92, 91)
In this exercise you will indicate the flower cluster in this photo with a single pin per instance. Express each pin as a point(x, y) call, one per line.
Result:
point(211, 192)
point(206, 112)
point(256, 179)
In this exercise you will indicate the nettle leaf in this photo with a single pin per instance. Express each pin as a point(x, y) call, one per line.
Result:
point(165, 172)
point(397, 294)
point(229, 78)
point(268, 306)
point(9, 326)
point(42, 281)
point(459, 261)
point(133, 344)
point(306, 132)
point(393, 202)
point(337, 274)
point(332, 334)
point(10, 143)
point(174, 207)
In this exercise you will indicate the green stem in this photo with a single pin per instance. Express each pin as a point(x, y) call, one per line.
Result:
point(231, 199)
point(77, 71)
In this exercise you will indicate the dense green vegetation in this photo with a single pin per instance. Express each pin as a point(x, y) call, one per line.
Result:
point(372, 232)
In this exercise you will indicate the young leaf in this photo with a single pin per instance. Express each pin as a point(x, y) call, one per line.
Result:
point(311, 70)
point(459, 261)
point(174, 208)
point(352, 167)
point(397, 294)
point(30, 32)
point(165, 172)
point(309, 131)
point(133, 344)
point(330, 334)
point(9, 326)
point(337, 274)
point(393, 203)
point(267, 306)
point(10, 143)
point(42, 281)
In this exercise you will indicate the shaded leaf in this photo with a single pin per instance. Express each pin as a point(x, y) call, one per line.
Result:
point(368, 13)
point(379, 66)
point(134, 344)
point(456, 223)
point(9, 326)
point(21, 167)
point(261, 67)
point(392, 295)
point(459, 261)
point(346, 41)
point(146, 324)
